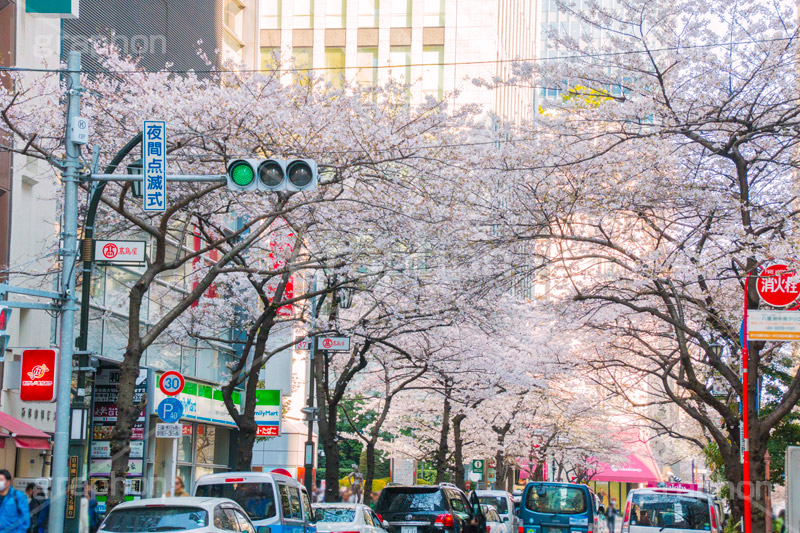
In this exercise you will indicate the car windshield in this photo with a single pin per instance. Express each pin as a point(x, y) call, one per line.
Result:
point(142, 519)
point(334, 514)
point(258, 499)
point(679, 511)
point(393, 500)
point(500, 503)
point(556, 499)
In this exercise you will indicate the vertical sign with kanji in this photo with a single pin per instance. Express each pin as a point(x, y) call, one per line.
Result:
point(154, 148)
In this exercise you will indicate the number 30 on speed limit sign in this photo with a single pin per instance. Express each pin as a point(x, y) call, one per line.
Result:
point(171, 383)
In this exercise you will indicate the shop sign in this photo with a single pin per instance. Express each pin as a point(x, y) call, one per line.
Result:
point(120, 252)
point(102, 449)
point(203, 403)
point(773, 325)
point(102, 467)
point(38, 383)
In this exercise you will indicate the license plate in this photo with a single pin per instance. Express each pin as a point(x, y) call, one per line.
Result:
point(408, 529)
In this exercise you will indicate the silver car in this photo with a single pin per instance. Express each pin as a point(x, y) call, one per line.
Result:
point(346, 517)
point(214, 515)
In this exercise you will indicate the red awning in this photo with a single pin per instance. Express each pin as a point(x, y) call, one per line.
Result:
point(25, 436)
point(637, 467)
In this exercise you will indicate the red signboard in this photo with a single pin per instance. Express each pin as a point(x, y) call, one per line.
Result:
point(776, 285)
point(38, 383)
point(267, 431)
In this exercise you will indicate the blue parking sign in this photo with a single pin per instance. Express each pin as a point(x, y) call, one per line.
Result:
point(170, 410)
point(154, 155)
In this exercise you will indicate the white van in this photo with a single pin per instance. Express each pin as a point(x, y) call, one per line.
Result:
point(273, 500)
point(503, 503)
point(670, 511)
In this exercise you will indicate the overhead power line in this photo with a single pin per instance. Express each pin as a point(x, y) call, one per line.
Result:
point(446, 63)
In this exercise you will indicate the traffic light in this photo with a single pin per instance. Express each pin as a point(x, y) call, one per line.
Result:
point(5, 318)
point(242, 175)
point(272, 175)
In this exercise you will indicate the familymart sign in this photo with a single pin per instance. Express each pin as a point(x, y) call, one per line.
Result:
point(203, 403)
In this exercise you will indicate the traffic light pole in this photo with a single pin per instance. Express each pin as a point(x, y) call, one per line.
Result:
point(72, 163)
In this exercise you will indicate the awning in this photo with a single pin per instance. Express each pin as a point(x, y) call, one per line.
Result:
point(637, 467)
point(24, 436)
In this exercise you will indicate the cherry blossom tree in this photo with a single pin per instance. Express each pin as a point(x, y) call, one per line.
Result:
point(655, 186)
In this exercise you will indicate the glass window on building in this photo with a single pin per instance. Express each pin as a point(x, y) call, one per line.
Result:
point(367, 59)
point(270, 14)
point(233, 16)
point(270, 58)
point(368, 11)
point(118, 288)
point(212, 445)
point(303, 14)
point(433, 71)
point(434, 13)
point(400, 59)
point(401, 13)
point(303, 58)
point(335, 13)
point(334, 66)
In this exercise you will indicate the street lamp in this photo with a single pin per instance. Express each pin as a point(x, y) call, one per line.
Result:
point(716, 349)
point(345, 295)
point(136, 169)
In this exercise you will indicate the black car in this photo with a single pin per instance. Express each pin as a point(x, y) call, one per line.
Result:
point(430, 509)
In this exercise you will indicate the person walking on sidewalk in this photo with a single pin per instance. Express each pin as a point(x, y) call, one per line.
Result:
point(14, 512)
point(611, 516)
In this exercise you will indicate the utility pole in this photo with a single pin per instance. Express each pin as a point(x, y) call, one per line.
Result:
point(310, 411)
point(67, 343)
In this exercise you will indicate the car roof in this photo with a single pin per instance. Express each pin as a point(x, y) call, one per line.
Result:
point(244, 476)
point(492, 493)
point(175, 502)
point(668, 490)
point(337, 504)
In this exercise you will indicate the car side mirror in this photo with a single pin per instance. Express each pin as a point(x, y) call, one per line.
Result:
point(263, 529)
point(601, 509)
point(385, 525)
point(505, 519)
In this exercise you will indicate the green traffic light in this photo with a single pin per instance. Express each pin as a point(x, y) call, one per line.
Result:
point(242, 174)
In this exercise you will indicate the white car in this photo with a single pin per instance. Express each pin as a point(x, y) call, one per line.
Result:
point(503, 502)
point(212, 515)
point(670, 510)
point(346, 517)
point(494, 524)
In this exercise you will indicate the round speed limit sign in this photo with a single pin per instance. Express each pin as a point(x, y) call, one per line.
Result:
point(171, 383)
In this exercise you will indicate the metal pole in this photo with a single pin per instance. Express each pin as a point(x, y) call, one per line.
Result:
point(748, 517)
point(67, 344)
point(309, 448)
point(174, 469)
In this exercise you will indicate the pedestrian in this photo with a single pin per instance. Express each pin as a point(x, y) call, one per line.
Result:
point(15, 515)
point(36, 499)
point(88, 519)
point(611, 515)
point(42, 519)
point(180, 488)
point(373, 499)
point(779, 524)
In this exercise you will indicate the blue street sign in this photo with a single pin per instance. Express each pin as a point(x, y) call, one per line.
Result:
point(170, 410)
point(154, 152)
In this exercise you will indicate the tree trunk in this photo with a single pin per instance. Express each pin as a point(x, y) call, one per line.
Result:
point(248, 429)
point(127, 411)
point(441, 452)
point(458, 452)
point(370, 471)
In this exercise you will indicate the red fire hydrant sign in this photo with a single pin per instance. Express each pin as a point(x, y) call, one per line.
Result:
point(778, 285)
point(38, 383)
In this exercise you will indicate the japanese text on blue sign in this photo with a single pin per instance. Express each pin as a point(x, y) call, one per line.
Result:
point(155, 165)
